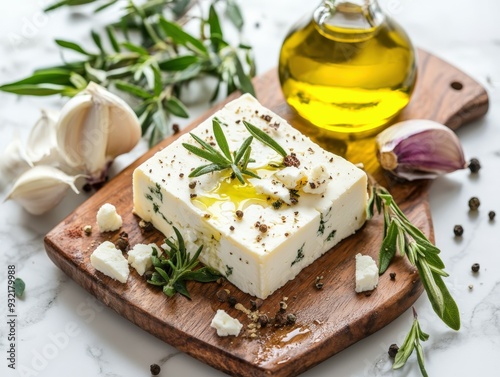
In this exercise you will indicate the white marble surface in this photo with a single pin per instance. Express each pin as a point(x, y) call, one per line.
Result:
point(63, 331)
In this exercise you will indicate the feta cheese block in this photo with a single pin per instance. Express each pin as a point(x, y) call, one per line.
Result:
point(107, 259)
point(225, 324)
point(366, 273)
point(139, 257)
point(260, 234)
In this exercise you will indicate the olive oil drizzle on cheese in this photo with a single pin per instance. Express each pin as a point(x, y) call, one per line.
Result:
point(229, 190)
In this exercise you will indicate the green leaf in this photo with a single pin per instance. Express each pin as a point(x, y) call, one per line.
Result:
point(72, 46)
point(179, 63)
point(162, 273)
point(221, 138)
point(203, 275)
point(214, 23)
point(105, 5)
point(19, 287)
point(180, 286)
point(388, 248)
point(98, 42)
point(420, 359)
point(234, 15)
point(96, 75)
point(431, 288)
point(67, 2)
point(205, 169)
point(132, 89)
point(243, 149)
point(37, 90)
point(245, 84)
point(406, 348)
point(179, 36)
point(264, 138)
point(205, 154)
point(208, 147)
point(47, 76)
point(134, 48)
point(450, 314)
point(78, 81)
point(176, 107)
point(238, 174)
point(112, 39)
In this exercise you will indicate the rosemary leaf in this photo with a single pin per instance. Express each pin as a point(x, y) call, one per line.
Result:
point(264, 138)
point(221, 138)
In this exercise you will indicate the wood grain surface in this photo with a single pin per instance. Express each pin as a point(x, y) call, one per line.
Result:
point(328, 320)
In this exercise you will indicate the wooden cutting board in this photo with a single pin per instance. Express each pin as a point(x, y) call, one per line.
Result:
point(328, 320)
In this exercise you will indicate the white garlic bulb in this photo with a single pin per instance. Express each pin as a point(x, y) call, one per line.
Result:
point(41, 147)
point(41, 188)
point(13, 162)
point(94, 127)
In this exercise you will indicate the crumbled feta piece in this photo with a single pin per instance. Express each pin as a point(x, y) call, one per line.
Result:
point(292, 177)
point(107, 259)
point(140, 257)
point(273, 188)
point(366, 273)
point(317, 180)
point(225, 324)
point(108, 219)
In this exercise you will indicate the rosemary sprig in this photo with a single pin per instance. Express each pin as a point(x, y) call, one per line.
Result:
point(400, 234)
point(148, 54)
point(265, 138)
point(412, 342)
point(173, 271)
point(237, 161)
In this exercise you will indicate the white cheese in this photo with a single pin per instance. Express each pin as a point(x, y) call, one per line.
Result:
point(317, 180)
point(225, 324)
point(291, 177)
point(295, 235)
point(139, 257)
point(107, 259)
point(108, 219)
point(366, 273)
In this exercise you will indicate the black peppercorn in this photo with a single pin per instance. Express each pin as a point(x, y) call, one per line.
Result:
point(474, 165)
point(155, 369)
point(458, 230)
point(232, 300)
point(393, 275)
point(239, 214)
point(393, 350)
point(474, 203)
point(291, 319)
point(475, 267)
point(492, 215)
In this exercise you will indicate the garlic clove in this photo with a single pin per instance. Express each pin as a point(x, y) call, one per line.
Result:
point(41, 188)
point(419, 149)
point(13, 162)
point(41, 147)
point(95, 127)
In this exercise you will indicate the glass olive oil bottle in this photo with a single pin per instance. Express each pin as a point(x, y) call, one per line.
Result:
point(350, 69)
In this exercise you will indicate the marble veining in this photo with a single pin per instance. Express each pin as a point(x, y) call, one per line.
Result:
point(62, 328)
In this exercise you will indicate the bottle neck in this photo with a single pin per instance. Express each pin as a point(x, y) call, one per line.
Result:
point(356, 15)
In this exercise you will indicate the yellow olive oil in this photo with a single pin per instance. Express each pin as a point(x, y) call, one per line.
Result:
point(229, 190)
point(349, 70)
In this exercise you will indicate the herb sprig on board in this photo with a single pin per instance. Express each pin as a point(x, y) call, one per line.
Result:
point(400, 234)
point(148, 54)
point(177, 267)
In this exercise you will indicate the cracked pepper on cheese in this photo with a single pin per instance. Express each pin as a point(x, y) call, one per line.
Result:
point(262, 234)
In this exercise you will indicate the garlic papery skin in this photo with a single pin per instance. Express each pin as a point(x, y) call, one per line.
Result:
point(95, 127)
point(419, 149)
point(13, 162)
point(41, 147)
point(41, 188)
